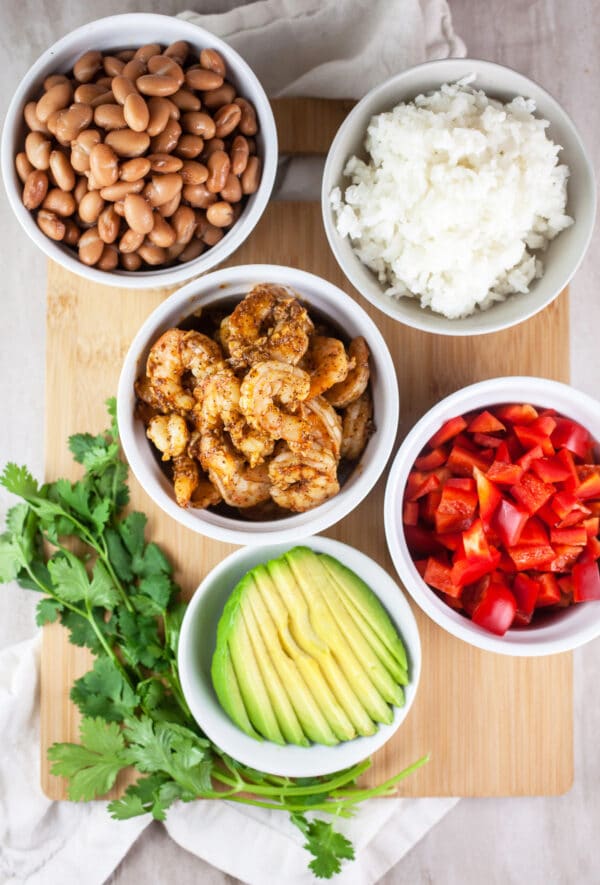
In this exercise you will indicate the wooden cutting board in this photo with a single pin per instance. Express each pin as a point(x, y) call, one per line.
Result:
point(494, 726)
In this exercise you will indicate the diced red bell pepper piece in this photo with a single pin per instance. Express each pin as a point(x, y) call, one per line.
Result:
point(593, 507)
point(486, 441)
point(454, 602)
point(526, 460)
point(566, 503)
point(531, 492)
point(509, 522)
point(420, 565)
point(548, 515)
point(530, 437)
point(438, 575)
point(526, 592)
point(410, 513)
point(592, 548)
point(467, 571)
point(566, 557)
point(457, 506)
point(429, 505)
point(570, 435)
point(505, 564)
point(534, 533)
point(429, 484)
point(592, 526)
point(496, 609)
point(435, 458)
point(535, 558)
point(447, 431)
point(545, 424)
point(586, 580)
point(475, 542)
point(590, 486)
point(450, 540)
point(421, 542)
point(505, 473)
point(564, 457)
point(549, 591)
point(485, 422)
point(565, 582)
point(489, 496)
point(414, 481)
point(551, 469)
point(472, 593)
point(515, 413)
point(462, 462)
point(576, 536)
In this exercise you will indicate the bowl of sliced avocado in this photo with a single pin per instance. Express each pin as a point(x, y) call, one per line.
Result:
point(299, 660)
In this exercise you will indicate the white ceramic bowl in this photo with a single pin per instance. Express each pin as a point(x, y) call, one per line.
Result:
point(564, 253)
point(197, 644)
point(317, 294)
point(565, 630)
point(121, 32)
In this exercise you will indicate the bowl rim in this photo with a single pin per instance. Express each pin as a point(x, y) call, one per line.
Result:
point(385, 303)
point(399, 610)
point(286, 528)
point(491, 391)
point(178, 273)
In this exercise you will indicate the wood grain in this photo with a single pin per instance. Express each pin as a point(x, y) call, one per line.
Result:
point(494, 726)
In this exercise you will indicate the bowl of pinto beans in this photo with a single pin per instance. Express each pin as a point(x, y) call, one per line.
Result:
point(492, 514)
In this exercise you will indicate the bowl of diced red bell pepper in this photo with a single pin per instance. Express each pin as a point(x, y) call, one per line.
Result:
point(492, 515)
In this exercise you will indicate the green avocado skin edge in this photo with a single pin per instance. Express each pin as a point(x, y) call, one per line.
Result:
point(251, 677)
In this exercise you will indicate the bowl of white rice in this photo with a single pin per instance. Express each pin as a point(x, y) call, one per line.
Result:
point(458, 197)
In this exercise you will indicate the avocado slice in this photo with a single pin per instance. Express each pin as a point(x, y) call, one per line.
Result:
point(301, 629)
point(249, 678)
point(283, 709)
point(324, 592)
point(311, 576)
point(369, 629)
point(364, 600)
point(228, 691)
point(313, 722)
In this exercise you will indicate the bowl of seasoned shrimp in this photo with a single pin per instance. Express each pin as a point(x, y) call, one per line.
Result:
point(258, 401)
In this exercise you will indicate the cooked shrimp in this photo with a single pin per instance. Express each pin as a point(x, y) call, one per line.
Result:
point(220, 407)
point(147, 397)
point(165, 370)
point(355, 383)
point(302, 480)
point(205, 495)
point(357, 426)
point(269, 324)
point(169, 433)
point(186, 478)
point(270, 395)
point(323, 427)
point(329, 361)
point(238, 484)
point(200, 354)
point(223, 335)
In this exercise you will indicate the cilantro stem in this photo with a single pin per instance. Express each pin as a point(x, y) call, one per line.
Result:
point(380, 789)
point(49, 592)
point(327, 786)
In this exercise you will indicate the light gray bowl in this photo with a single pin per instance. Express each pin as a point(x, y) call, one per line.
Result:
point(565, 252)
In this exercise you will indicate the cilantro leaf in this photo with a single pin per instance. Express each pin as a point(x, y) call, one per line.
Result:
point(152, 794)
point(82, 633)
point(131, 530)
point(72, 584)
point(164, 746)
point(11, 558)
point(47, 611)
point(326, 845)
point(81, 497)
point(19, 481)
point(96, 453)
point(141, 643)
point(103, 691)
point(111, 408)
point(102, 591)
point(92, 766)
point(118, 555)
point(152, 561)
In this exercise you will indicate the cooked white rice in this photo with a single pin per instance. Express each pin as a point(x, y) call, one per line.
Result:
point(459, 196)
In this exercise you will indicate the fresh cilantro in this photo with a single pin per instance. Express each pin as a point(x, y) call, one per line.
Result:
point(103, 691)
point(115, 594)
point(93, 765)
point(47, 611)
point(327, 846)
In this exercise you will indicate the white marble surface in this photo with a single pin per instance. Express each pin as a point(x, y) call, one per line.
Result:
point(499, 842)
